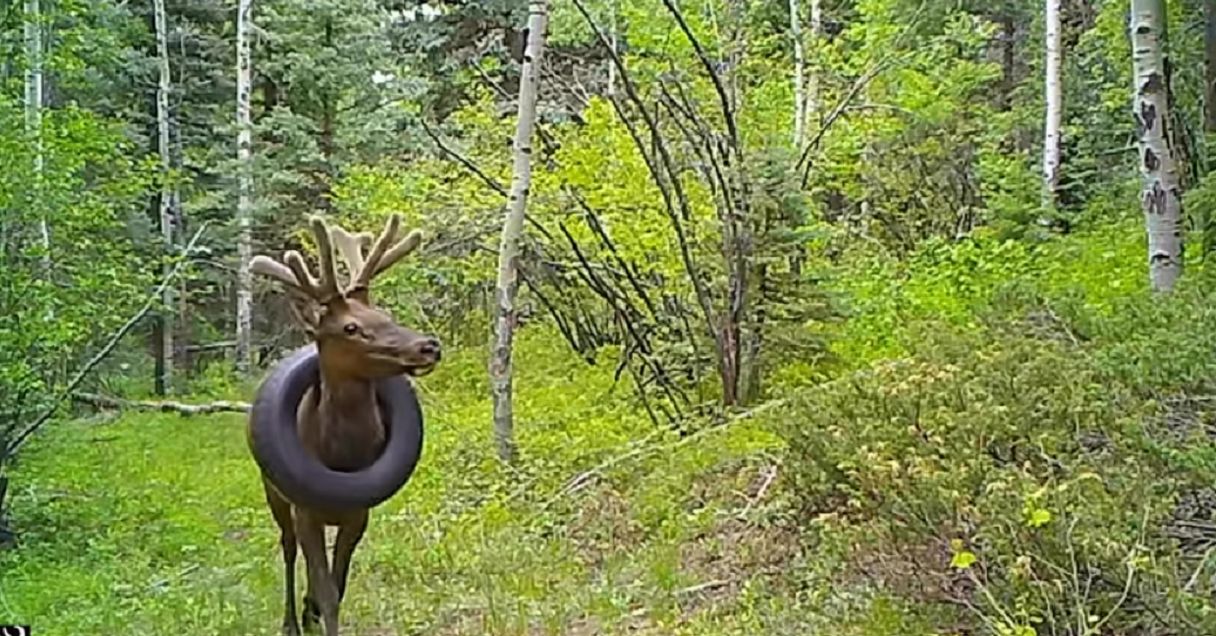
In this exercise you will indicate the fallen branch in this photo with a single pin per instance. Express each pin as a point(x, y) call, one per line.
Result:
point(644, 447)
point(210, 346)
point(106, 350)
point(770, 475)
point(106, 401)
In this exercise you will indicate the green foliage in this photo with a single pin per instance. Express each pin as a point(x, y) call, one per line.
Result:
point(55, 304)
point(1003, 422)
point(986, 452)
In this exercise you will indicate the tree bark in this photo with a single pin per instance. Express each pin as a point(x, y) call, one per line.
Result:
point(512, 229)
point(1055, 97)
point(812, 81)
point(165, 381)
point(1009, 33)
point(33, 117)
point(611, 66)
point(1209, 47)
point(244, 212)
point(800, 96)
point(1161, 194)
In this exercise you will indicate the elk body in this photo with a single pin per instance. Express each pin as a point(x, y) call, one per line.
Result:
point(341, 419)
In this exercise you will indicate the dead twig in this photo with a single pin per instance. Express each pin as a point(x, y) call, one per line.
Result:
point(643, 448)
point(490, 182)
point(771, 475)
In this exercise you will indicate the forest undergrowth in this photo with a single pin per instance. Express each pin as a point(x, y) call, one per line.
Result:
point(1009, 439)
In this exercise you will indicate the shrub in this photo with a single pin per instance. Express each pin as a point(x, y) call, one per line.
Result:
point(1009, 477)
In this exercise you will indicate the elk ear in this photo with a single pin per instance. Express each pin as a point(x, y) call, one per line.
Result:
point(360, 294)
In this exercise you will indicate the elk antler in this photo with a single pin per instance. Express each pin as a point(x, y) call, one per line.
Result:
point(363, 271)
point(351, 246)
point(293, 271)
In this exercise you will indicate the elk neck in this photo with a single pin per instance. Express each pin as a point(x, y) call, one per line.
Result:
point(350, 431)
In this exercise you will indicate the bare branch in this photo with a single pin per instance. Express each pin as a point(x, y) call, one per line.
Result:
point(702, 293)
point(728, 112)
point(459, 158)
point(105, 351)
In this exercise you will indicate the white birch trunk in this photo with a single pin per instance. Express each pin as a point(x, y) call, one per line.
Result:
point(512, 229)
point(1055, 99)
point(166, 193)
point(611, 65)
point(244, 211)
point(800, 104)
point(33, 116)
point(812, 88)
point(1161, 194)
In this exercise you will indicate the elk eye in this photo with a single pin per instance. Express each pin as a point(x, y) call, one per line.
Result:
point(351, 328)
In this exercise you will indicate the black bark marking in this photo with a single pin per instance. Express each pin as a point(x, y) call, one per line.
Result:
point(1155, 84)
point(1148, 115)
point(1154, 200)
point(1151, 162)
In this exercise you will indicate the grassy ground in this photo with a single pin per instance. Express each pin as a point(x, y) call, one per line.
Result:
point(154, 524)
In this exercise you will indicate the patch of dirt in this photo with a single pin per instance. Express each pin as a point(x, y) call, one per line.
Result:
point(1182, 416)
point(732, 553)
point(1193, 522)
point(602, 525)
point(921, 571)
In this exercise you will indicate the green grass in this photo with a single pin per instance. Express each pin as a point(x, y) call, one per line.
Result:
point(154, 524)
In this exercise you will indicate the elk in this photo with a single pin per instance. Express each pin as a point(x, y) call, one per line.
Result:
point(336, 428)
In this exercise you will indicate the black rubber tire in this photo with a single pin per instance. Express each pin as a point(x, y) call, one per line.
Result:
point(303, 479)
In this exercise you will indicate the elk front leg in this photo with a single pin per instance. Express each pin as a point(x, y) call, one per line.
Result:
point(349, 534)
point(281, 510)
point(322, 592)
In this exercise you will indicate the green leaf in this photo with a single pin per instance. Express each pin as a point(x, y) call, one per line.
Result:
point(963, 559)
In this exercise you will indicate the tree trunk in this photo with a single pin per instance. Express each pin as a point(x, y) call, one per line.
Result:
point(1055, 97)
point(165, 381)
point(512, 229)
point(1161, 195)
point(244, 211)
point(1209, 47)
point(800, 103)
point(615, 48)
point(1009, 36)
point(812, 81)
point(33, 117)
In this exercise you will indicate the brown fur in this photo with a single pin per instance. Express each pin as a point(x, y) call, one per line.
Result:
point(338, 420)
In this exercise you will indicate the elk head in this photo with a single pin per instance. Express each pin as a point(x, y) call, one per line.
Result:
point(355, 339)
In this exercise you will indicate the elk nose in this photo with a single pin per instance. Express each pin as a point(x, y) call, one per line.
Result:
point(430, 347)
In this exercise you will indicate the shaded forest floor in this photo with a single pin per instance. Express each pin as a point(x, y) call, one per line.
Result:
point(963, 464)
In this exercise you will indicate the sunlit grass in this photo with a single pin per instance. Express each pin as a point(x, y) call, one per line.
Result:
point(155, 524)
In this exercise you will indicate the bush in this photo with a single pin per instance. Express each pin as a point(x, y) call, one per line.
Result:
point(1012, 478)
point(1024, 450)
